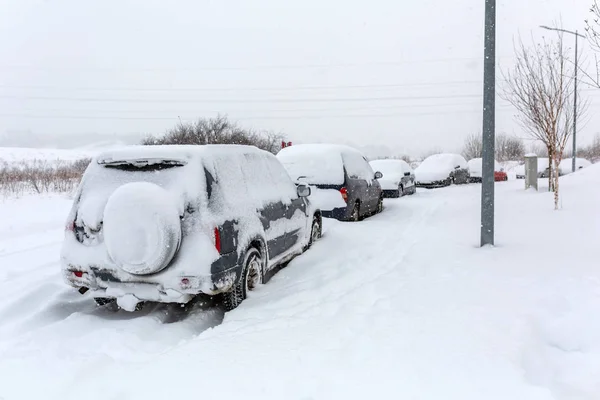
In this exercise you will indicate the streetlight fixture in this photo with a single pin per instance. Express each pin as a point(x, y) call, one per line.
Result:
point(577, 35)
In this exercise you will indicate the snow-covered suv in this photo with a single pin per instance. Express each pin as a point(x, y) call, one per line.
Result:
point(165, 223)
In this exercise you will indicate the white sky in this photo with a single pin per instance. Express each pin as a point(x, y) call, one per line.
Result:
point(402, 74)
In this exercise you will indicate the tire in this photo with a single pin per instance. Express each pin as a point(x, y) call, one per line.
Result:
point(379, 206)
point(315, 232)
point(251, 277)
point(355, 216)
point(102, 301)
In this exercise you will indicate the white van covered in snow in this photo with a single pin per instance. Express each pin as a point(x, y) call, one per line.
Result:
point(165, 223)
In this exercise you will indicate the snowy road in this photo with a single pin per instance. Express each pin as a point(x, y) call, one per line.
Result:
point(402, 305)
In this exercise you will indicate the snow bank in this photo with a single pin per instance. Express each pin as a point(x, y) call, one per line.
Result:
point(438, 167)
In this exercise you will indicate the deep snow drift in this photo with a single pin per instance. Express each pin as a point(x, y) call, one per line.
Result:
point(403, 305)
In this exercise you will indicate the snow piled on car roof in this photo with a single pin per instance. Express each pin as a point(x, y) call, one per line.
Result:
point(316, 163)
point(438, 167)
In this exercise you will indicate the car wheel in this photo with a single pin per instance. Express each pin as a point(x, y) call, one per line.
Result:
point(355, 216)
point(315, 232)
point(250, 279)
point(379, 206)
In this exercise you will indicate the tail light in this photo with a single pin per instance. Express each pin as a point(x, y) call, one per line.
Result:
point(218, 239)
point(344, 193)
point(78, 274)
point(70, 226)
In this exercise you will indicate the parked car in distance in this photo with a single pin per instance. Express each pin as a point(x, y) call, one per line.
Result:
point(566, 165)
point(343, 183)
point(398, 177)
point(442, 170)
point(166, 223)
point(475, 171)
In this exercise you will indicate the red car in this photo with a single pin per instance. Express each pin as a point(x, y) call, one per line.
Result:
point(500, 176)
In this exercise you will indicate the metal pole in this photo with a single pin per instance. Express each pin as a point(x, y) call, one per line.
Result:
point(489, 105)
point(575, 109)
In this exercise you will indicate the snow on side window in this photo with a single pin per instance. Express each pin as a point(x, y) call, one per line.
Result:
point(265, 182)
point(357, 166)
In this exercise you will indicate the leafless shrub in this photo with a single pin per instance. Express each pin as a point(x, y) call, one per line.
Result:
point(218, 130)
point(509, 148)
point(592, 151)
point(539, 150)
point(40, 176)
point(473, 146)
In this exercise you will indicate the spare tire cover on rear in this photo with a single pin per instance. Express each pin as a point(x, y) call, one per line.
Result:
point(142, 229)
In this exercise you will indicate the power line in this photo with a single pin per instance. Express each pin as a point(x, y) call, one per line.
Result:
point(287, 117)
point(249, 67)
point(205, 89)
point(269, 110)
point(246, 101)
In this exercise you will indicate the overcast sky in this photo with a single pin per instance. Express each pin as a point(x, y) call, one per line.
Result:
point(402, 74)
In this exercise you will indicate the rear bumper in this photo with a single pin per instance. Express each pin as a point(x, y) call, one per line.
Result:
point(104, 282)
point(435, 184)
point(391, 193)
point(340, 213)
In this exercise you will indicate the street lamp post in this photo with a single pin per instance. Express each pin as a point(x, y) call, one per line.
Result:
point(577, 35)
point(489, 125)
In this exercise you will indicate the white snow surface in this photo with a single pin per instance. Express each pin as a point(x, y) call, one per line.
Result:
point(438, 167)
point(370, 311)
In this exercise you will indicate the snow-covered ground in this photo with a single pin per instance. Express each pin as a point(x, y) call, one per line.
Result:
point(403, 305)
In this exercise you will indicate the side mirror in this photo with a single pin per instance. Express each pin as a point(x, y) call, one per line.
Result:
point(303, 190)
point(407, 174)
point(378, 175)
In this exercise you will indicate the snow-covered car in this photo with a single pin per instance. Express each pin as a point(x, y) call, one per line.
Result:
point(398, 177)
point(566, 165)
point(442, 170)
point(475, 171)
point(166, 223)
point(343, 183)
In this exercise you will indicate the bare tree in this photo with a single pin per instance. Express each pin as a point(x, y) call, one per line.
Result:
point(591, 152)
point(218, 130)
point(540, 86)
point(473, 146)
point(509, 148)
